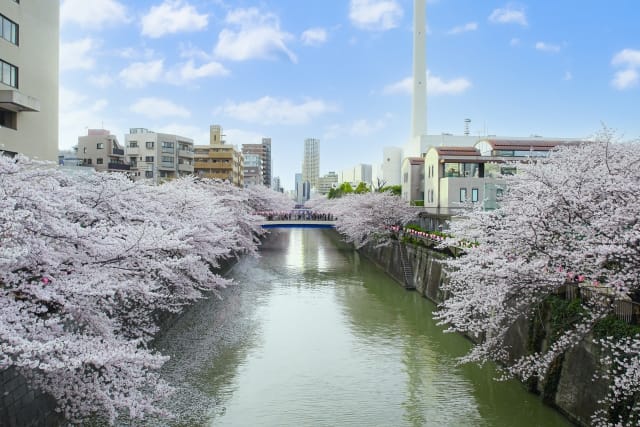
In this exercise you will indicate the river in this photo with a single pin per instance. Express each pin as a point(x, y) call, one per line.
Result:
point(314, 335)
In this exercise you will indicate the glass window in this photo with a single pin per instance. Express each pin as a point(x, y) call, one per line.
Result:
point(167, 159)
point(463, 195)
point(148, 159)
point(133, 144)
point(100, 145)
point(8, 30)
point(148, 174)
point(8, 74)
point(99, 161)
point(149, 144)
point(474, 194)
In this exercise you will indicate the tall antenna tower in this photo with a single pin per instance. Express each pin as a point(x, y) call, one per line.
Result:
point(466, 126)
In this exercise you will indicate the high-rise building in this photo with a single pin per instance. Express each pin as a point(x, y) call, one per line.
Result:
point(275, 184)
point(100, 150)
point(264, 151)
point(327, 182)
point(219, 160)
point(356, 175)
point(29, 78)
point(158, 156)
point(311, 161)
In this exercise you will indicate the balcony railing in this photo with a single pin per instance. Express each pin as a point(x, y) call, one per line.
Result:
point(119, 166)
point(118, 151)
point(185, 153)
point(185, 167)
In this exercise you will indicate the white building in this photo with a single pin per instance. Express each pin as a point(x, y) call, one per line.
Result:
point(158, 156)
point(311, 161)
point(391, 166)
point(327, 182)
point(357, 174)
point(413, 180)
point(253, 170)
point(29, 45)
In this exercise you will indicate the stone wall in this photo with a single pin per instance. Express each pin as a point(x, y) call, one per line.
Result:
point(569, 386)
point(22, 406)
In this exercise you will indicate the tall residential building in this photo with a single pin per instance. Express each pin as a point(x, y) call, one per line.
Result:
point(219, 160)
point(158, 156)
point(311, 161)
point(264, 151)
point(29, 45)
point(100, 150)
point(275, 184)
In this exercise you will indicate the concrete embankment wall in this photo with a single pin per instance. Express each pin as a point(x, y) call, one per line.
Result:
point(569, 385)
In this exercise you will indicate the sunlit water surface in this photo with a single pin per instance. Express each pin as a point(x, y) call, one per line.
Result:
point(314, 335)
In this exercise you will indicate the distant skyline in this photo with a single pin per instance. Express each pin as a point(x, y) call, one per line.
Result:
point(340, 71)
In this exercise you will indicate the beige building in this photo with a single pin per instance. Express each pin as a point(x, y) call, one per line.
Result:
point(413, 180)
point(219, 160)
point(327, 182)
point(29, 40)
point(100, 150)
point(158, 156)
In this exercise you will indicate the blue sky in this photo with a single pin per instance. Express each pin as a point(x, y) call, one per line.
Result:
point(339, 70)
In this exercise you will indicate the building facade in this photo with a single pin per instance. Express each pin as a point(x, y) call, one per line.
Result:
point(29, 56)
point(413, 180)
point(219, 160)
point(253, 170)
point(311, 161)
point(264, 151)
point(158, 156)
point(357, 174)
point(391, 165)
point(100, 150)
point(327, 182)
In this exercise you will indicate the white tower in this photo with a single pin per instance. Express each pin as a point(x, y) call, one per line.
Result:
point(419, 107)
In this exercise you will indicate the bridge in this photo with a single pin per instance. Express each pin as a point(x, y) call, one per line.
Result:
point(295, 223)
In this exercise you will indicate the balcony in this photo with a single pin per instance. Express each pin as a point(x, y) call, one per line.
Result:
point(167, 165)
point(118, 151)
point(185, 153)
point(16, 101)
point(185, 168)
point(119, 166)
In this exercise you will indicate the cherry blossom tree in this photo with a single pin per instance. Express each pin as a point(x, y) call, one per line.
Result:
point(87, 266)
point(572, 217)
point(368, 217)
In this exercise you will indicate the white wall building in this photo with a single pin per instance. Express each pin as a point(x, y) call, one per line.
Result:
point(29, 45)
point(413, 179)
point(327, 182)
point(391, 165)
point(100, 150)
point(158, 156)
point(357, 174)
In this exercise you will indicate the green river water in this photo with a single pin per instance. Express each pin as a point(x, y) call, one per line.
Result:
point(314, 335)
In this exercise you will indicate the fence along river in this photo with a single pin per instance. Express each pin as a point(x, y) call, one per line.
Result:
point(315, 335)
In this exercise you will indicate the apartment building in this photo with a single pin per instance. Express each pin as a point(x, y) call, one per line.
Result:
point(311, 162)
point(264, 151)
point(253, 170)
point(29, 52)
point(219, 160)
point(158, 156)
point(100, 150)
point(413, 180)
point(327, 182)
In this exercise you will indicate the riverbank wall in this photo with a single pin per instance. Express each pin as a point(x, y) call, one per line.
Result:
point(569, 386)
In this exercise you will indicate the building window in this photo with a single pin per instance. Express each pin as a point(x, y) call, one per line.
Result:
point(149, 144)
point(463, 195)
point(99, 161)
point(87, 161)
point(474, 195)
point(148, 174)
point(100, 145)
point(133, 144)
point(148, 159)
point(167, 159)
point(8, 119)
point(8, 74)
point(8, 30)
point(167, 144)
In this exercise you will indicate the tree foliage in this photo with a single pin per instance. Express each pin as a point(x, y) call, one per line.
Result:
point(369, 217)
point(573, 217)
point(87, 264)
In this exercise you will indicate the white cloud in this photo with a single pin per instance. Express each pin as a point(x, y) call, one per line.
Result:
point(470, 26)
point(199, 134)
point(77, 113)
point(546, 47)
point(239, 137)
point(155, 108)
point(314, 36)
point(257, 36)
point(188, 50)
point(140, 74)
point(172, 16)
point(568, 76)
point(357, 128)
point(509, 15)
point(101, 80)
point(435, 86)
point(188, 71)
point(627, 57)
point(514, 42)
point(377, 15)
point(625, 79)
point(93, 14)
point(272, 111)
point(77, 55)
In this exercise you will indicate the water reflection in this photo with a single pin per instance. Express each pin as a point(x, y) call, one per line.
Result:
point(315, 335)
